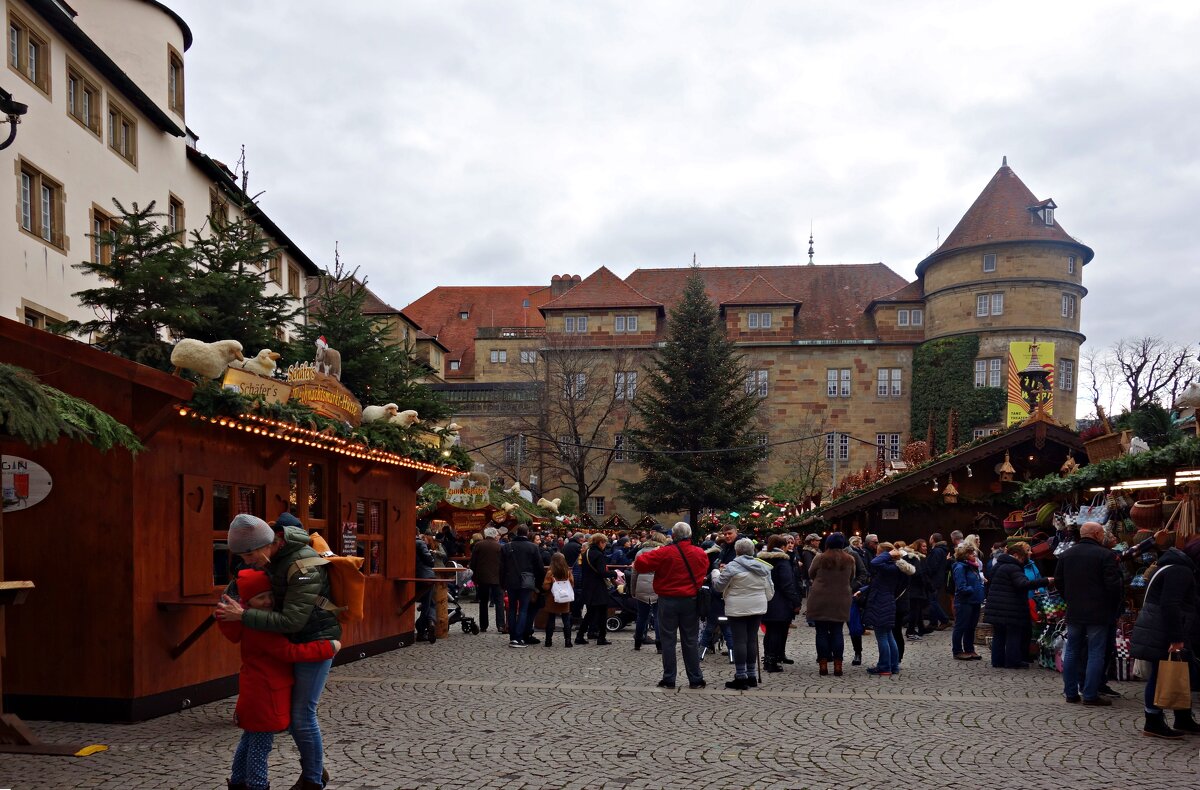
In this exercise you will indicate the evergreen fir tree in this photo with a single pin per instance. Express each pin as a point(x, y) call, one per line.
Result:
point(375, 367)
point(145, 288)
point(694, 399)
point(233, 263)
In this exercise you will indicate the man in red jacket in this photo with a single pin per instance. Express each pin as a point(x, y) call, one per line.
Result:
point(679, 571)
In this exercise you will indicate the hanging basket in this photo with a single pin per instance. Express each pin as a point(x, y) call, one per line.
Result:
point(1107, 447)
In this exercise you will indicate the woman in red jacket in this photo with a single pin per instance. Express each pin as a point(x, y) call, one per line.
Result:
point(264, 683)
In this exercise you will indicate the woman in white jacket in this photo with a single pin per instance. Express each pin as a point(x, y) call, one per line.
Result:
point(746, 587)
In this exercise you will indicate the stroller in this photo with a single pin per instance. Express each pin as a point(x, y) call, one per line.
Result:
point(454, 609)
point(622, 609)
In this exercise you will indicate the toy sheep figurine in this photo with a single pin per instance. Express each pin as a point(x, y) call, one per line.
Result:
point(509, 507)
point(328, 360)
point(515, 488)
point(405, 419)
point(549, 504)
point(376, 413)
point(263, 363)
point(207, 359)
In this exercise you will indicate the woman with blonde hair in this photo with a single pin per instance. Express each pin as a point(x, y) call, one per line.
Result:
point(593, 590)
point(968, 597)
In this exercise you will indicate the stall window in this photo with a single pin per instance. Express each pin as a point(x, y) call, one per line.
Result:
point(370, 546)
point(307, 494)
point(228, 500)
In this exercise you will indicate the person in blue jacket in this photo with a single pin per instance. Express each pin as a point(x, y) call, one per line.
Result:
point(888, 579)
point(968, 598)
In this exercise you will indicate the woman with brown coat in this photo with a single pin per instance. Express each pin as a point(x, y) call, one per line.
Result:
point(829, 600)
point(558, 572)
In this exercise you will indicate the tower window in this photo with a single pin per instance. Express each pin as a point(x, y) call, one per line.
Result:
point(989, 262)
point(1071, 265)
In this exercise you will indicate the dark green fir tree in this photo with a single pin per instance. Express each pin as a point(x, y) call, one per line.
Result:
point(144, 288)
point(376, 367)
point(233, 264)
point(696, 415)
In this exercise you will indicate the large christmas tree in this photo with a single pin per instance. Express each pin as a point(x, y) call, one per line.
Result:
point(696, 418)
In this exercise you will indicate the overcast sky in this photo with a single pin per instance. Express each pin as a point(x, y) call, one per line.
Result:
point(446, 143)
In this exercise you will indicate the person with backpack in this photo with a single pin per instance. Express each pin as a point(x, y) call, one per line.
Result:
point(297, 615)
point(559, 586)
point(521, 570)
point(265, 682)
point(968, 598)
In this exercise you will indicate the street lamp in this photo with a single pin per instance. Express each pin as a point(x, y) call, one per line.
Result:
point(12, 110)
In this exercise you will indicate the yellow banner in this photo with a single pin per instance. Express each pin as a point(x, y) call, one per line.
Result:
point(1030, 379)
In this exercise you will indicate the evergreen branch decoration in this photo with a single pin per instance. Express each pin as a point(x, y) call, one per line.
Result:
point(1149, 464)
point(37, 415)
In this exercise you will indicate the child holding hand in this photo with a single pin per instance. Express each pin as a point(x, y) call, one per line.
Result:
point(264, 682)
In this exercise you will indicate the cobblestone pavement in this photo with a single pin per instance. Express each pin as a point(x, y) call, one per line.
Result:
point(469, 712)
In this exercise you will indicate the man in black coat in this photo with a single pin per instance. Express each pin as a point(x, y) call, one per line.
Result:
point(521, 573)
point(935, 568)
point(485, 572)
point(1008, 607)
point(1089, 578)
point(571, 552)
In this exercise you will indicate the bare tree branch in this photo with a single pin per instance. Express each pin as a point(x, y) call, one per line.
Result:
point(1152, 368)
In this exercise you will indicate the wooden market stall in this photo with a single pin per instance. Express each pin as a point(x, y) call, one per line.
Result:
point(128, 553)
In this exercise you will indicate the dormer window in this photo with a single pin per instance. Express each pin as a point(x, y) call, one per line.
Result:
point(1048, 215)
point(464, 314)
point(1043, 212)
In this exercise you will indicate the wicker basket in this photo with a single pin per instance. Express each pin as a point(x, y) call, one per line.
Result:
point(1107, 447)
point(983, 634)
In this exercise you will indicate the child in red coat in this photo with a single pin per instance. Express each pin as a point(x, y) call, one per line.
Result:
point(264, 683)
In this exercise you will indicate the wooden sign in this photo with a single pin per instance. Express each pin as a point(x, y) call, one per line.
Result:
point(469, 491)
point(23, 484)
point(324, 394)
point(890, 514)
point(255, 386)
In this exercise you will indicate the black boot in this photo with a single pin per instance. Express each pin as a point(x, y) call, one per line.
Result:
point(737, 684)
point(549, 637)
point(1185, 723)
point(1156, 727)
point(770, 665)
point(637, 642)
point(580, 638)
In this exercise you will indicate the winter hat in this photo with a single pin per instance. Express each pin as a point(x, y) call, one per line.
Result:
point(286, 519)
point(811, 536)
point(835, 541)
point(247, 533)
point(251, 582)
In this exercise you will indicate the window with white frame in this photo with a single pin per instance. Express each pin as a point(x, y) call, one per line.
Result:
point(463, 315)
point(989, 304)
point(122, 132)
point(837, 382)
point(978, 433)
point(1066, 374)
point(758, 320)
point(890, 442)
point(989, 262)
point(454, 364)
point(889, 383)
point(1068, 305)
point(917, 316)
point(516, 449)
point(756, 383)
point(829, 443)
point(529, 357)
point(831, 383)
point(40, 205)
point(575, 324)
point(574, 385)
point(28, 52)
point(843, 447)
point(619, 448)
point(499, 356)
point(1070, 264)
point(987, 372)
point(762, 439)
point(624, 323)
point(626, 384)
point(83, 99)
point(901, 318)
point(595, 505)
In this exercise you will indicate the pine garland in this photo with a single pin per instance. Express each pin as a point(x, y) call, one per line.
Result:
point(1149, 464)
point(37, 415)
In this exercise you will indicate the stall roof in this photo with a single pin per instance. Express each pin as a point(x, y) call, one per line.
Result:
point(1036, 429)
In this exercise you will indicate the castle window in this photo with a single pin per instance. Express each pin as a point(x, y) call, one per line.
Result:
point(463, 315)
point(1048, 215)
point(901, 318)
point(575, 324)
point(756, 383)
point(889, 383)
point(989, 304)
point(890, 443)
point(28, 53)
point(1066, 374)
point(917, 316)
point(528, 357)
point(454, 364)
point(499, 356)
point(989, 262)
point(623, 323)
point(626, 384)
point(619, 448)
point(1071, 264)
point(758, 320)
point(987, 372)
point(1068, 306)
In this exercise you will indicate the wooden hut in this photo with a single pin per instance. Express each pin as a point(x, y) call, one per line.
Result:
point(128, 553)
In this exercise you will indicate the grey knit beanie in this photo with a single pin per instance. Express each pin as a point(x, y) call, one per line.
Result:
point(247, 533)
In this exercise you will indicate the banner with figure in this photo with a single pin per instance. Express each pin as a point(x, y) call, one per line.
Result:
point(1030, 379)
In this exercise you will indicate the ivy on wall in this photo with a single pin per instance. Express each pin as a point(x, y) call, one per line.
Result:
point(943, 379)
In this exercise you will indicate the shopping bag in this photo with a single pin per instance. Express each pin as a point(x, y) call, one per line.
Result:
point(856, 623)
point(1173, 691)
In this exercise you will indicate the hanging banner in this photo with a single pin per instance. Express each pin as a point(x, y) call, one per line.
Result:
point(1030, 379)
point(23, 483)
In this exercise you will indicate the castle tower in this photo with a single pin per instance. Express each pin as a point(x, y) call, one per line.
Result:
point(1010, 273)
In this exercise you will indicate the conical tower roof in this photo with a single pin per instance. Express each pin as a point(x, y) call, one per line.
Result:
point(1006, 211)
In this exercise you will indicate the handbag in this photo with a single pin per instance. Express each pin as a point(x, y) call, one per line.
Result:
point(856, 623)
point(1097, 511)
point(1173, 690)
point(702, 598)
point(562, 591)
point(527, 581)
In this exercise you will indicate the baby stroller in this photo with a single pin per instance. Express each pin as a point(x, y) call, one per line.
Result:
point(454, 609)
point(622, 609)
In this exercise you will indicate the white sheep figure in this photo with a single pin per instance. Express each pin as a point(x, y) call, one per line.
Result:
point(376, 413)
point(328, 360)
point(405, 419)
point(263, 363)
point(549, 504)
point(515, 488)
point(509, 507)
point(1190, 399)
point(207, 359)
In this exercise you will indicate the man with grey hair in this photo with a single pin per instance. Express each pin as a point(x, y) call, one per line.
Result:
point(485, 572)
point(679, 571)
point(1089, 578)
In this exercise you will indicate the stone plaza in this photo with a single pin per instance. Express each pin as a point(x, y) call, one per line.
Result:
point(470, 712)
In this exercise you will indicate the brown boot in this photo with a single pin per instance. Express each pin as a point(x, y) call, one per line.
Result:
point(837, 669)
point(301, 784)
point(824, 665)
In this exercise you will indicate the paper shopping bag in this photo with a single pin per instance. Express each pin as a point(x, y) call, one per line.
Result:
point(1173, 691)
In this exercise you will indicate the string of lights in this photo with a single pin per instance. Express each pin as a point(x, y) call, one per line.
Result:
point(632, 451)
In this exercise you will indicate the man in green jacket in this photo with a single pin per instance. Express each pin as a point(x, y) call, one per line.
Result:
point(300, 590)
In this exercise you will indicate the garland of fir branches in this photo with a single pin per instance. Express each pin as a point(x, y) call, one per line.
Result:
point(1152, 463)
point(37, 415)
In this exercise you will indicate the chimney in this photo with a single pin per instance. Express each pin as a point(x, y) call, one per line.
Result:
point(561, 283)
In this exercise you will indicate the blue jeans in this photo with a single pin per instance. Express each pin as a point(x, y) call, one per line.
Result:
point(679, 615)
point(966, 617)
point(1084, 639)
point(745, 645)
point(306, 732)
point(716, 609)
point(250, 760)
point(518, 613)
point(646, 613)
point(937, 614)
point(889, 652)
point(830, 643)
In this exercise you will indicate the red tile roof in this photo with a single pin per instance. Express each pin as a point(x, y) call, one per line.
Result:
point(835, 297)
point(486, 305)
point(760, 292)
point(1001, 214)
point(601, 288)
point(913, 292)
